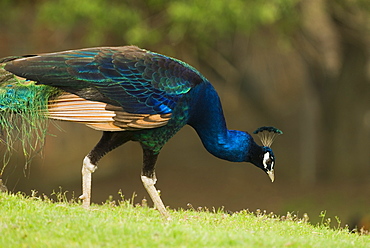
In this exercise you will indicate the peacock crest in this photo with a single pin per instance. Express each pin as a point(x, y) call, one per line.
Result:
point(267, 135)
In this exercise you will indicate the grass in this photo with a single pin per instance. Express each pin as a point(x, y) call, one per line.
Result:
point(40, 222)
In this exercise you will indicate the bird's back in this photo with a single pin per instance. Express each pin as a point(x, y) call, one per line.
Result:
point(131, 88)
point(138, 80)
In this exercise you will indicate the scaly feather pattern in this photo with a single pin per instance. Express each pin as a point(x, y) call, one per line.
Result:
point(134, 94)
point(138, 80)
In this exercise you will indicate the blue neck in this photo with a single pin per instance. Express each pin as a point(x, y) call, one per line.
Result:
point(208, 120)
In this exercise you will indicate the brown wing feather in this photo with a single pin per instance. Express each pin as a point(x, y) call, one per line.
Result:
point(101, 116)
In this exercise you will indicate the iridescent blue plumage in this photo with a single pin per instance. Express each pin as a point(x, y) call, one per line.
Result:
point(151, 97)
point(138, 80)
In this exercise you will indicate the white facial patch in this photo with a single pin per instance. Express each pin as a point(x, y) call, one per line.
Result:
point(268, 161)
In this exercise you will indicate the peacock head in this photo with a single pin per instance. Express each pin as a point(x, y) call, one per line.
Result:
point(266, 159)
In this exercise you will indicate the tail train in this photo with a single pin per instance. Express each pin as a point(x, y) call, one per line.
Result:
point(23, 105)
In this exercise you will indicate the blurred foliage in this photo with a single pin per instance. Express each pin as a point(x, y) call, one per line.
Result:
point(146, 22)
point(206, 20)
point(95, 19)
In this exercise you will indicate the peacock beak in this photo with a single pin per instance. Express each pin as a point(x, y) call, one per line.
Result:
point(271, 175)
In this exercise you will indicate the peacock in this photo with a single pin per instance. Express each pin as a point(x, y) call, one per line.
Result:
point(130, 94)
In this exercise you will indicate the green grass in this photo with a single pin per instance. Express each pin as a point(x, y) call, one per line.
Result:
point(40, 222)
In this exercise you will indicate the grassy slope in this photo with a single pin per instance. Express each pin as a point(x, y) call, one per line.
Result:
point(31, 222)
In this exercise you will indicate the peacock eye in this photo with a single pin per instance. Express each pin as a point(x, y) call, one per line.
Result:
point(268, 161)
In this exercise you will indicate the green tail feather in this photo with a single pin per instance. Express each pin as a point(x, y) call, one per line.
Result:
point(23, 105)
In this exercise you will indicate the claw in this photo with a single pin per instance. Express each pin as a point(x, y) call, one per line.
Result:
point(82, 197)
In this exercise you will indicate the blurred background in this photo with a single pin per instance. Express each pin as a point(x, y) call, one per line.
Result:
point(302, 66)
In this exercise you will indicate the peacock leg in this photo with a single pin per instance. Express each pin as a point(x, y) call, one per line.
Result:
point(149, 183)
point(87, 169)
point(108, 142)
point(149, 179)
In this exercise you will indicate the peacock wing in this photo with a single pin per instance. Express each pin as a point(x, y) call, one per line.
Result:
point(139, 81)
